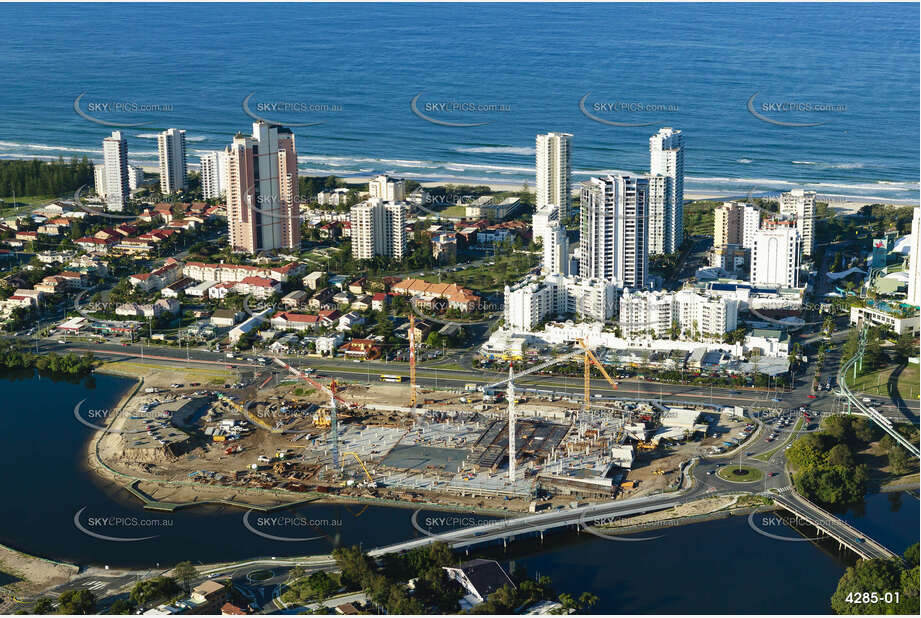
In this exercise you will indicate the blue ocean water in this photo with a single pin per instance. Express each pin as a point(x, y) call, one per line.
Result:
point(691, 66)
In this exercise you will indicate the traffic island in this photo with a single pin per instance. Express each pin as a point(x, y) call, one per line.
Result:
point(737, 474)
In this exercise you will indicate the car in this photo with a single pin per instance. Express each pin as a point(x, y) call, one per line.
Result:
point(775, 400)
point(709, 472)
point(811, 396)
point(772, 474)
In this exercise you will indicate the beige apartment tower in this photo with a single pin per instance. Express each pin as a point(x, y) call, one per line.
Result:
point(262, 191)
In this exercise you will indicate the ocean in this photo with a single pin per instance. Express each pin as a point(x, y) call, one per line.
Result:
point(513, 70)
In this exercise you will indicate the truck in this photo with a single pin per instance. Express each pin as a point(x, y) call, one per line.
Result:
point(230, 355)
point(470, 387)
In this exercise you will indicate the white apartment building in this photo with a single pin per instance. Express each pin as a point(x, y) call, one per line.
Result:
point(173, 164)
point(775, 258)
point(612, 230)
point(378, 228)
point(99, 179)
point(554, 170)
point(214, 174)
point(655, 314)
point(541, 218)
point(135, 177)
point(115, 161)
point(531, 300)
point(800, 206)
point(387, 189)
point(751, 223)
point(556, 250)
point(914, 260)
point(666, 158)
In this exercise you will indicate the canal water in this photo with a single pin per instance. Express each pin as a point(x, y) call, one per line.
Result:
point(55, 508)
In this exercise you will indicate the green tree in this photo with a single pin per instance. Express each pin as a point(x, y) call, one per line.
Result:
point(43, 606)
point(840, 455)
point(185, 573)
point(77, 602)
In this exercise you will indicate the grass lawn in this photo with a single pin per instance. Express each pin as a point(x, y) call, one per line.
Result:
point(877, 383)
point(698, 217)
point(493, 278)
point(734, 474)
point(138, 370)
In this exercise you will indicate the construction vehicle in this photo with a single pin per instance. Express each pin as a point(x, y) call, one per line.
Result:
point(371, 480)
point(231, 450)
point(646, 446)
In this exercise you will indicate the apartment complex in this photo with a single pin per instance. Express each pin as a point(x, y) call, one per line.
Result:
point(387, 189)
point(540, 219)
point(115, 162)
point(262, 191)
point(612, 230)
point(555, 250)
point(531, 300)
point(173, 164)
point(378, 228)
point(799, 205)
point(99, 179)
point(775, 258)
point(666, 217)
point(214, 172)
point(554, 169)
point(735, 223)
point(685, 314)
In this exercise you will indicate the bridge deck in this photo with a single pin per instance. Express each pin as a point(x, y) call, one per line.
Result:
point(841, 531)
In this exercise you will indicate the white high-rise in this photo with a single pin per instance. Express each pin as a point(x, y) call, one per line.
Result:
point(800, 206)
point(751, 223)
point(554, 168)
point(378, 228)
point(135, 177)
point(115, 160)
point(612, 230)
point(914, 260)
point(556, 250)
point(99, 179)
point(173, 164)
point(387, 189)
point(541, 218)
point(666, 218)
point(214, 174)
point(776, 257)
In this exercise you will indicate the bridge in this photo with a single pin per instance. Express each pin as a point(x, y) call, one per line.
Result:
point(828, 524)
point(507, 529)
point(864, 410)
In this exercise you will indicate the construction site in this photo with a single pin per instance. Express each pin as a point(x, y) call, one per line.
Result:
point(486, 447)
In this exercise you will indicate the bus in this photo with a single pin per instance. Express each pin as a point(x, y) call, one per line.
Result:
point(389, 378)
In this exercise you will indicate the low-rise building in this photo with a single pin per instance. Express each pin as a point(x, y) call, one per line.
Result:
point(900, 319)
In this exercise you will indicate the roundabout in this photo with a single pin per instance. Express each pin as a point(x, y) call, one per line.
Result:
point(740, 474)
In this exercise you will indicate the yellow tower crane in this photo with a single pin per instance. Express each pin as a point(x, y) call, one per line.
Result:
point(591, 359)
point(412, 360)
